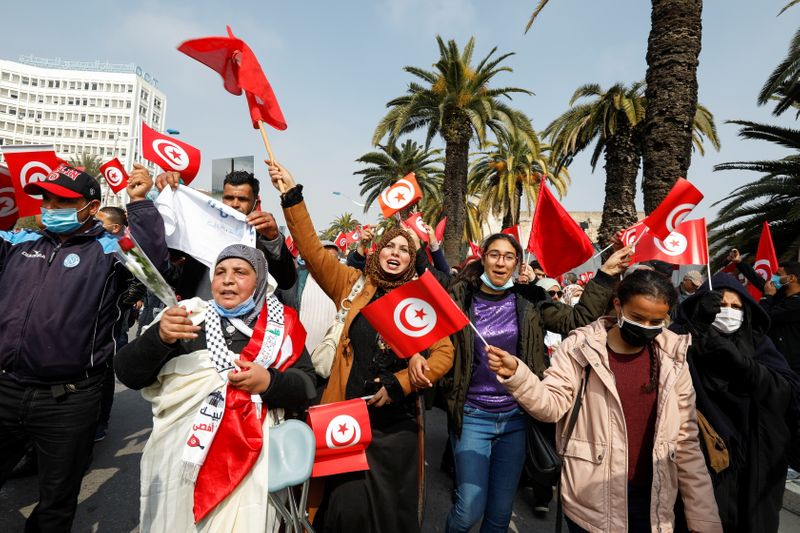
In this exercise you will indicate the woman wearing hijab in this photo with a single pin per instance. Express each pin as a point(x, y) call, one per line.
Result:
point(384, 498)
point(218, 374)
point(746, 402)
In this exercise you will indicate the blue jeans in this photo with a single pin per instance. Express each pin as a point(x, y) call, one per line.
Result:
point(488, 458)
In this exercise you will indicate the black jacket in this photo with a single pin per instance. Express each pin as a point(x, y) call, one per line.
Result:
point(749, 395)
point(138, 363)
point(60, 301)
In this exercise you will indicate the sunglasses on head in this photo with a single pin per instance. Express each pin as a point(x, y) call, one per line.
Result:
point(555, 293)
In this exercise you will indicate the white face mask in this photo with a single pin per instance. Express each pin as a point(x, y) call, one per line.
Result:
point(728, 320)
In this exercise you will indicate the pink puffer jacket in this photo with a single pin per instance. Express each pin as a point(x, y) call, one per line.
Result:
point(594, 480)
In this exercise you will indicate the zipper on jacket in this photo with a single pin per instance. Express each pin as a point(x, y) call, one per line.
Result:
point(53, 253)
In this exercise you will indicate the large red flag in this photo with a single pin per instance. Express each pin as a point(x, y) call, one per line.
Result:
point(556, 239)
point(29, 164)
point(342, 432)
point(115, 175)
point(766, 260)
point(515, 231)
point(415, 223)
point(240, 71)
point(403, 193)
point(682, 198)
point(686, 245)
point(8, 203)
point(170, 154)
point(415, 315)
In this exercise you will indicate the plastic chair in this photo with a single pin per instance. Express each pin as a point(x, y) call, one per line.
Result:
point(291, 458)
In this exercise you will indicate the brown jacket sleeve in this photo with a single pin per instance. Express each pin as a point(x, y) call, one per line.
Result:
point(332, 276)
point(439, 361)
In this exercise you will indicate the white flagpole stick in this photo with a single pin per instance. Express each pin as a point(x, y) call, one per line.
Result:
point(639, 238)
point(478, 333)
point(281, 185)
point(601, 251)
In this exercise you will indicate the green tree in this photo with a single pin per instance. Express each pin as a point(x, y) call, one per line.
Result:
point(775, 197)
point(673, 48)
point(343, 223)
point(455, 101)
point(510, 170)
point(392, 162)
point(613, 121)
point(90, 163)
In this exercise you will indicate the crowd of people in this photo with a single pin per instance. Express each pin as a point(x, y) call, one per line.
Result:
point(672, 407)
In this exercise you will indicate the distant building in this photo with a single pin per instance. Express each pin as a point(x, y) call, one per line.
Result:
point(92, 107)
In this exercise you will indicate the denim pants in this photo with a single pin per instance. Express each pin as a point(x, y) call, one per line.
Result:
point(488, 458)
point(62, 432)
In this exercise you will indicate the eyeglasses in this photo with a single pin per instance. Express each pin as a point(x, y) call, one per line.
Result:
point(553, 294)
point(494, 255)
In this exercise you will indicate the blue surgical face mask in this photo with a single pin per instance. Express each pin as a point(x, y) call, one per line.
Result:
point(485, 280)
point(62, 220)
point(776, 280)
point(242, 309)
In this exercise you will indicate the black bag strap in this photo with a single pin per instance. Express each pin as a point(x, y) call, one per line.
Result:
point(573, 419)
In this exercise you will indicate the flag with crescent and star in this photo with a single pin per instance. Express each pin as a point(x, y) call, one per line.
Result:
point(415, 315)
point(766, 263)
point(403, 193)
point(686, 245)
point(682, 198)
point(28, 164)
point(170, 154)
point(342, 432)
point(8, 203)
point(115, 175)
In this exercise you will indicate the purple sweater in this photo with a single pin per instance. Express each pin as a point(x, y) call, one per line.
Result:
point(496, 320)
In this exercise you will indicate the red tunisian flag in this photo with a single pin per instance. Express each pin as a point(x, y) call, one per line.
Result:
point(474, 250)
point(686, 245)
point(415, 315)
point(8, 203)
point(415, 223)
point(241, 72)
point(403, 193)
point(170, 154)
point(766, 260)
point(515, 232)
point(290, 245)
point(240, 436)
point(29, 164)
point(115, 175)
point(556, 239)
point(629, 235)
point(342, 432)
point(673, 209)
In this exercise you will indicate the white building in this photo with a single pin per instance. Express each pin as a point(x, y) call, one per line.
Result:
point(89, 107)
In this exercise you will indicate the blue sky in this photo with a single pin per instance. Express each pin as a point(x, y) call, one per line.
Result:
point(334, 65)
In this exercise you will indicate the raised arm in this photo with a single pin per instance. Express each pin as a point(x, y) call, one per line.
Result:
point(144, 220)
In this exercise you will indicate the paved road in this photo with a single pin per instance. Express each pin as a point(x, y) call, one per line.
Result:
point(109, 499)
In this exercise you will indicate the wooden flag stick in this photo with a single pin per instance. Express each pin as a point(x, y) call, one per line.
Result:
point(281, 185)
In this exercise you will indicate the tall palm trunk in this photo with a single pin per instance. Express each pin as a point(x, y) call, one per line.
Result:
point(672, 57)
point(456, 133)
point(511, 216)
point(622, 166)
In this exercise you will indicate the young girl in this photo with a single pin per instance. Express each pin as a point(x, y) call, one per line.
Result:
point(635, 443)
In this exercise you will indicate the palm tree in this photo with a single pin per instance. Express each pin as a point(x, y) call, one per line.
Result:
point(613, 121)
point(343, 223)
point(456, 102)
point(671, 95)
point(509, 171)
point(88, 162)
point(774, 198)
point(610, 120)
point(783, 84)
point(393, 162)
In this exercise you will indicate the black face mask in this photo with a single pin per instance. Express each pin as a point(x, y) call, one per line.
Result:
point(636, 334)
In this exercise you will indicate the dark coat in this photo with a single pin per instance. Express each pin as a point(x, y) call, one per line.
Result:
point(745, 389)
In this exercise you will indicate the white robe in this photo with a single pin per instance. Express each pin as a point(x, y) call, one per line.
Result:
point(166, 499)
